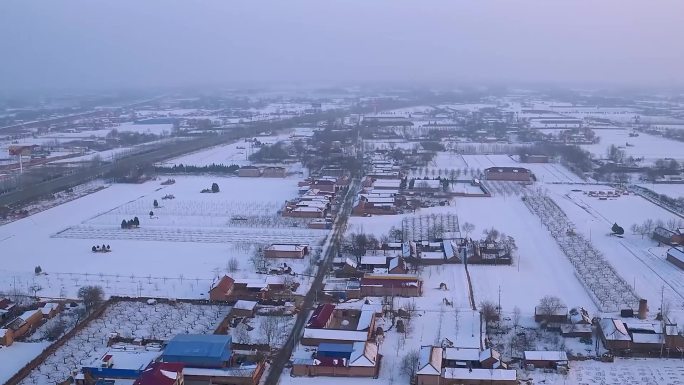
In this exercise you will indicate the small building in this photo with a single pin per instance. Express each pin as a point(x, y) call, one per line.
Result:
point(274, 172)
point(676, 257)
point(161, 373)
point(558, 315)
point(243, 308)
point(321, 317)
point(401, 285)
point(6, 308)
point(247, 373)
point(429, 365)
point(358, 359)
point(199, 350)
point(550, 359)
point(614, 334)
point(469, 376)
point(50, 309)
point(25, 323)
point(281, 250)
point(580, 330)
point(221, 290)
point(667, 237)
point(249, 171)
point(517, 174)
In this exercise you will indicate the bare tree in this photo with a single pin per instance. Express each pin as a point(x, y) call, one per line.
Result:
point(467, 228)
point(672, 224)
point(233, 264)
point(516, 318)
point(91, 296)
point(410, 309)
point(409, 364)
point(549, 306)
point(271, 327)
point(648, 226)
point(489, 312)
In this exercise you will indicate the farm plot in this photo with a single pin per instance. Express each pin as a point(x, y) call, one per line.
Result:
point(154, 267)
point(649, 147)
point(608, 289)
point(539, 269)
point(637, 258)
point(129, 320)
point(624, 371)
point(206, 218)
point(203, 235)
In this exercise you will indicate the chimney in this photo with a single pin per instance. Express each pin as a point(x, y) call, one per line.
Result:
point(643, 309)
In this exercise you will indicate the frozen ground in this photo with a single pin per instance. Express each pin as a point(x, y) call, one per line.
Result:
point(16, 356)
point(155, 267)
point(649, 147)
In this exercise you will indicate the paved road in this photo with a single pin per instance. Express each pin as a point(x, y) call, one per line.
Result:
point(283, 356)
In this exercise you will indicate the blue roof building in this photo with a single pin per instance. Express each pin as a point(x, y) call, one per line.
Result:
point(334, 350)
point(199, 350)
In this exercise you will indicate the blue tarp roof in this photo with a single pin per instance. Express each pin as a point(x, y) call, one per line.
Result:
point(332, 347)
point(198, 348)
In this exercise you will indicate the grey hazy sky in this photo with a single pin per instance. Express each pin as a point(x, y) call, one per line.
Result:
point(90, 43)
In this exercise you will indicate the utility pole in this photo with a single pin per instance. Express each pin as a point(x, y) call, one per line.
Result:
point(662, 319)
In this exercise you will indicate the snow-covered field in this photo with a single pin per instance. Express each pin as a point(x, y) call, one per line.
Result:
point(674, 191)
point(199, 226)
point(649, 147)
point(624, 371)
point(639, 261)
point(540, 260)
point(469, 166)
point(16, 356)
point(237, 152)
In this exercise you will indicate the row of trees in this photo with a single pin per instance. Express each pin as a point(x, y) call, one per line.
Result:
point(130, 224)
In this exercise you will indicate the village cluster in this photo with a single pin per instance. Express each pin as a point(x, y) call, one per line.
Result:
point(491, 240)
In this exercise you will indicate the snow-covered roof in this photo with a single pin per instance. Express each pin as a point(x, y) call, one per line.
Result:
point(430, 360)
point(432, 255)
point(614, 329)
point(3, 332)
point(27, 314)
point(545, 355)
point(364, 354)
point(286, 247)
point(647, 338)
point(374, 260)
point(394, 263)
point(365, 319)
point(676, 253)
point(480, 374)
point(462, 354)
point(335, 335)
point(387, 183)
point(48, 307)
point(245, 305)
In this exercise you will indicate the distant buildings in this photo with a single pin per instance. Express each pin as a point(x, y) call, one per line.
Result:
point(517, 174)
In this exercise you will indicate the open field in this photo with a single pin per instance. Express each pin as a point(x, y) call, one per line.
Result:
point(638, 260)
point(539, 269)
point(649, 147)
point(199, 225)
point(674, 191)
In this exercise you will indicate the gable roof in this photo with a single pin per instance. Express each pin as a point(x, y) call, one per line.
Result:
point(209, 346)
point(160, 373)
point(430, 360)
point(321, 316)
point(364, 354)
